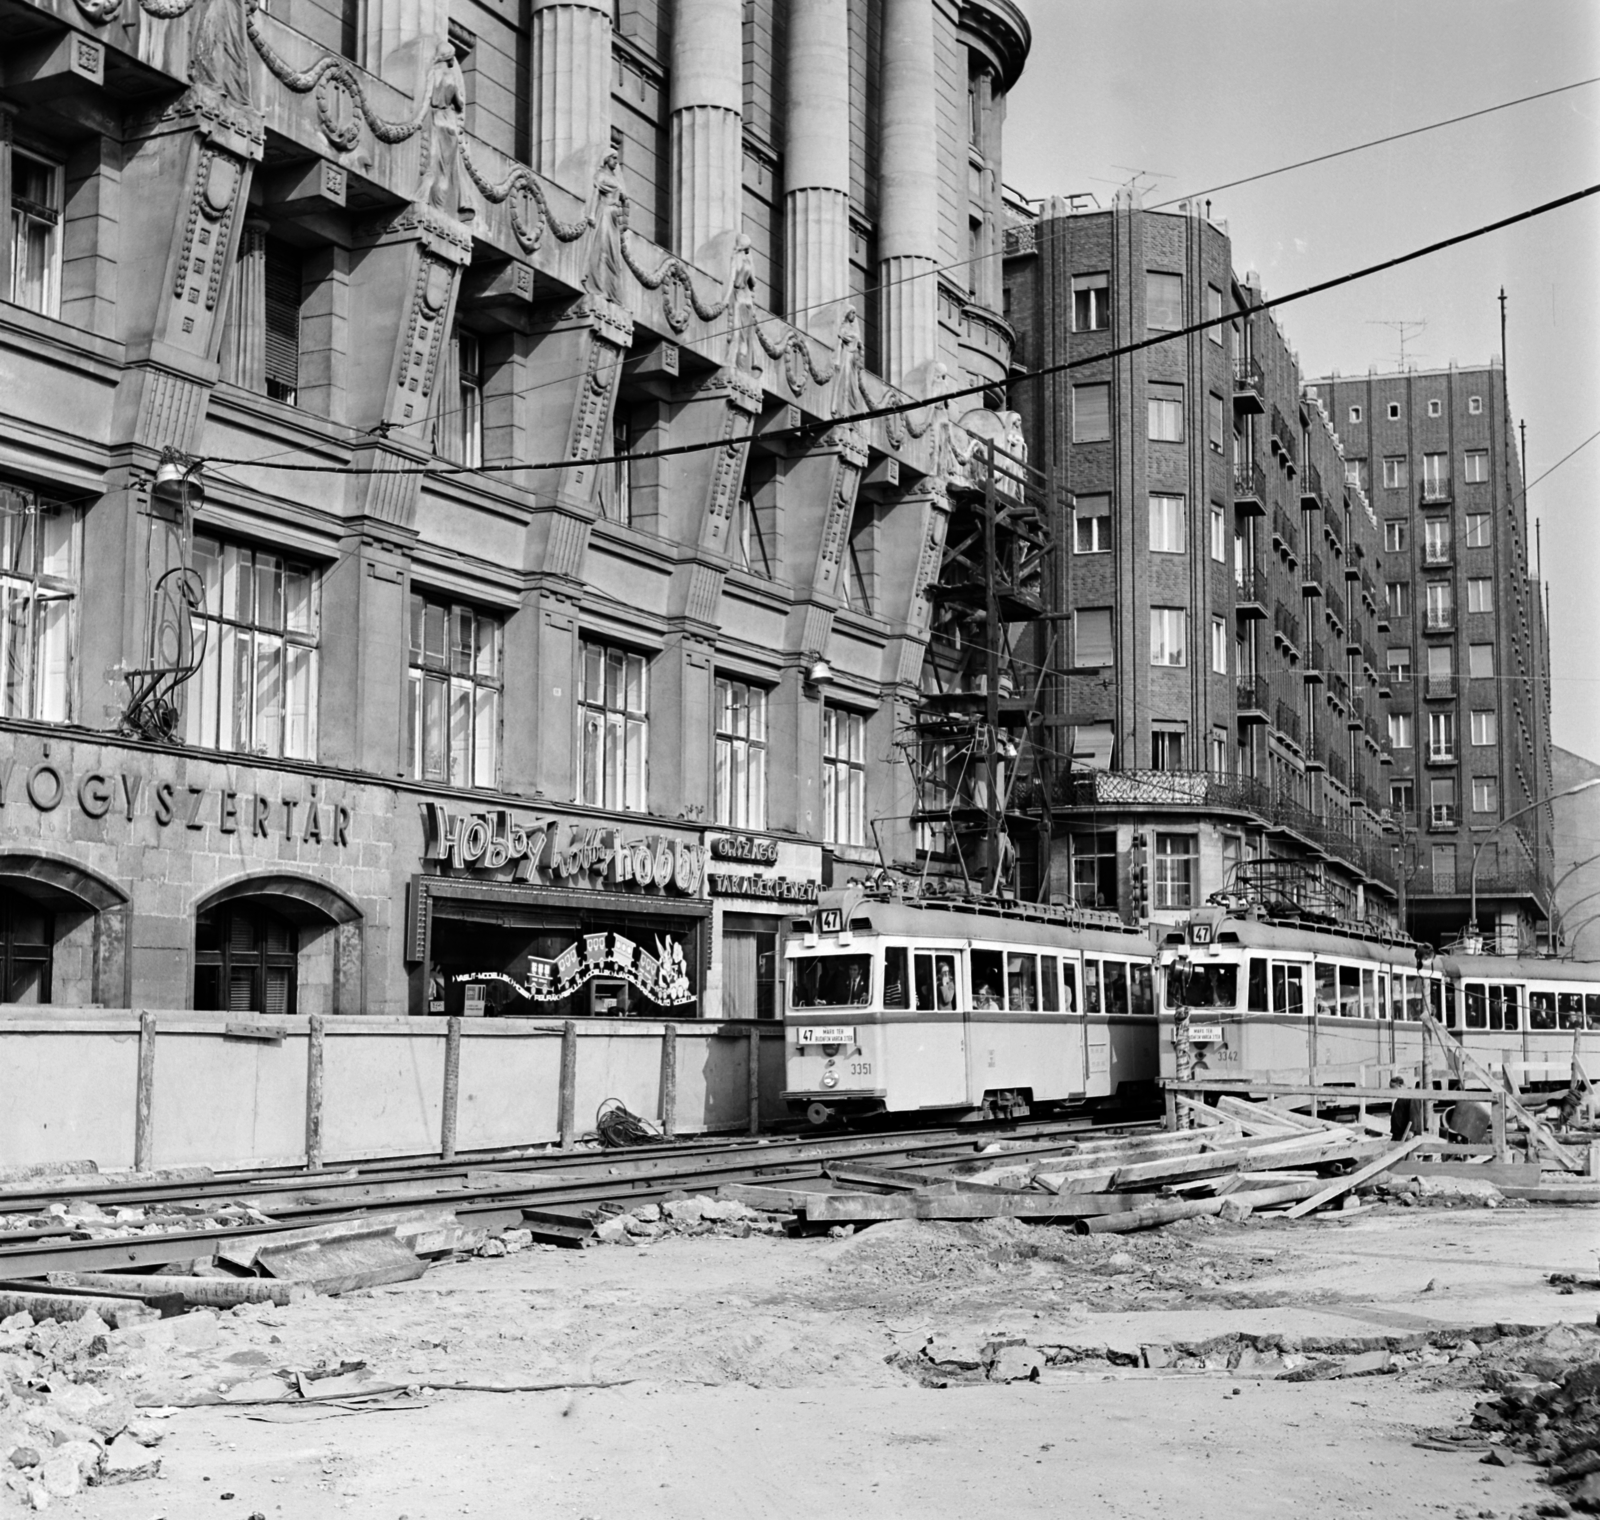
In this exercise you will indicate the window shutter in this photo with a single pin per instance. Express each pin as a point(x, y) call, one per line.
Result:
point(282, 336)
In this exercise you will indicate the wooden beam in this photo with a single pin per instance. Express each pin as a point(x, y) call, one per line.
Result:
point(314, 1057)
point(1355, 1178)
point(144, 1097)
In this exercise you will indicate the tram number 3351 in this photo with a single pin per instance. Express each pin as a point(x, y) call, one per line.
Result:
point(861, 1068)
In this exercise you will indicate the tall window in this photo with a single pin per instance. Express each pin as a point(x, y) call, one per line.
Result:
point(741, 780)
point(1091, 302)
point(1399, 666)
point(1480, 661)
point(613, 700)
point(1214, 315)
point(1355, 473)
point(1395, 473)
point(1480, 594)
point(1436, 540)
point(245, 960)
point(1168, 627)
point(1091, 413)
point(1394, 535)
point(1219, 646)
point(1166, 749)
point(844, 776)
point(39, 555)
point(458, 434)
point(1091, 525)
point(1435, 474)
point(1475, 467)
point(1219, 751)
point(1478, 531)
point(1441, 735)
point(1214, 423)
point(256, 689)
point(1163, 300)
point(1441, 604)
point(1167, 529)
point(1091, 636)
point(1402, 796)
point(1400, 731)
point(1219, 535)
point(453, 692)
point(1165, 403)
point(35, 233)
point(1177, 866)
point(27, 944)
point(1483, 725)
point(284, 293)
point(1397, 598)
point(749, 542)
point(616, 478)
point(1485, 794)
point(1094, 868)
point(1442, 859)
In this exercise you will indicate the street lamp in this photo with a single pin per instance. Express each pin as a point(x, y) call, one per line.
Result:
point(1532, 807)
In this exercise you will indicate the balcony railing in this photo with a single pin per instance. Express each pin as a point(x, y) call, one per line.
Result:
point(1285, 535)
point(1442, 754)
point(1511, 881)
point(1251, 699)
point(1436, 552)
point(1316, 661)
point(1284, 440)
point(1249, 591)
point(1439, 619)
point(1287, 722)
point(1286, 629)
point(1249, 386)
point(1369, 660)
point(1338, 767)
point(1311, 488)
point(1311, 574)
point(1434, 491)
point(1355, 714)
point(1440, 688)
point(1338, 690)
point(1442, 816)
point(1333, 606)
point(1357, 845)
point(1250, 487)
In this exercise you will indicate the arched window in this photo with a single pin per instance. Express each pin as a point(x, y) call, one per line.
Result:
point(246, 959)
point(27, 932)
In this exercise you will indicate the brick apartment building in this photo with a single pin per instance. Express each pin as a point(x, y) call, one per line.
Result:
point(400, 683)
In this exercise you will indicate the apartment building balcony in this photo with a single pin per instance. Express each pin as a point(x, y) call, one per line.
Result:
point(1338, 690)
point(1330, 535)
point(1437, 554)
point(1311, 574)
point(1287, 722)
point(1443, 818)
point(1250, 488)
point(1352, 638)
point(1380, 621)
point(1369, 594)
point(1439, 620)
point(1249, 592)
point(1285, 445)
point(1441, 754)
point(1286, 631)
point(1369, 662)
point(1311, 488)
point(1436, 492)
point(1510, 881)
point(1373, 734)
point(1249, 388)
point(1338, 767)
point(1251, 701)
point(1285, 535)
point(1355, 715)
point(1441, 688)
point(1316, 662)
point(1316, 759)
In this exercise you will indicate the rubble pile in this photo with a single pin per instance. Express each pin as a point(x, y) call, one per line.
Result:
point(64, 1422)
point(1545, 1403)
point(84, 1219)
point(681, 1214)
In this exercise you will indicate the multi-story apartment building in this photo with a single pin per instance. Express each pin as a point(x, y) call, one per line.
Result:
point(1217, 587)
point(428, 547)
point(1466, 655)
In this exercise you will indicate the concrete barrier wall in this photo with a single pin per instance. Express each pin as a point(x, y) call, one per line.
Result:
point(69, 1085)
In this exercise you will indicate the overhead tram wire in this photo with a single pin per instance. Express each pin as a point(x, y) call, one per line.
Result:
point(1376, 142)
point(872, 414)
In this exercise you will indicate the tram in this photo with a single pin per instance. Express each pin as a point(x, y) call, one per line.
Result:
point(1527, 1014)
point(904, 1005)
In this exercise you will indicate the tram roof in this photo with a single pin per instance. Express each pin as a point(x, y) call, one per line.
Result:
point(1518, 968)
point(1313, 939)
point(915, 920)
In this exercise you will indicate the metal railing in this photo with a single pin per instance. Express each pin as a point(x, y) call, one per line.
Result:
point(1284, 435)
point(1311, 573)
point(1338, 767)
point(1311, 488)
point(1439, 619)
point(1285, 535)
point(1436, 490)
point(1251, 694)
point(1249, 482)
point(1287, 722)
point(1333, 605)
point(1316, 661)
point(1436, 552)
point(1287, 626)
point(1248, 379)
point(1440, 688)
point(1248, 585)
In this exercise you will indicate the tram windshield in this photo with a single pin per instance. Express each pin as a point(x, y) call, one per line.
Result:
point(832, 981)
point(1205, 987)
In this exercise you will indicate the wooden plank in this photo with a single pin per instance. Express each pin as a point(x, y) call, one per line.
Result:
point(208, 1292)
point(567, 1097)
point(119, 1313)
point(451, 1097)
point(1344, 1095)
point(316, 1034)
point(144, 1097)
point(669, 1080)
point(770, 1200)
point(1553, 1192)
point(1361, 1174)
point(845, 1207)
point(753, 1077)
point(1501, 1174)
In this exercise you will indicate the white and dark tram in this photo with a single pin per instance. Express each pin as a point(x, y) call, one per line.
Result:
point(901, 1005)
point(1261, 995)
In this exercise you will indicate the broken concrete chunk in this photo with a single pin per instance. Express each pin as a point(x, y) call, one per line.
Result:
point(611, 1231)
point(956, 1353)
point(1368, 1364)
point(1015, 1364)
point(125, 1463)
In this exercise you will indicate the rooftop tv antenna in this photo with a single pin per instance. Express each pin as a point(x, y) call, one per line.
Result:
point(1406, 330)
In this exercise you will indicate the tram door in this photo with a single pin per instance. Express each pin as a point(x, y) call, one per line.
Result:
point(1096, 1030)
point(931, 1070)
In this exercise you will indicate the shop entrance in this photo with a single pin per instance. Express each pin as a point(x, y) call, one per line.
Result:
point(63, 935)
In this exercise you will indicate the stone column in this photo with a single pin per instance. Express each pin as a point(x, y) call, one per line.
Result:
point(816, 154)
point(571, 89)
point(707, 122)
point(908, 193)
point(244, 350)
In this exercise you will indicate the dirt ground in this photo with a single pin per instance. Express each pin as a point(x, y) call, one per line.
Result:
point(764, 1376)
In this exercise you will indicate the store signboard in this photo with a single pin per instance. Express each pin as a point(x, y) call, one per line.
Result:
point(497, 845)
point(663, 976)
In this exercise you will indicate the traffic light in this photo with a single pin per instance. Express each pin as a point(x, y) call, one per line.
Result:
point(1139, 877)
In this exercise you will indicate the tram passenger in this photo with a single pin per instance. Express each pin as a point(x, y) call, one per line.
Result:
point(858, 993)
point(985, 997)
point(947, 985)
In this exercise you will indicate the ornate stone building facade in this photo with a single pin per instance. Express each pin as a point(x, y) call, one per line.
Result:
point(511, 598)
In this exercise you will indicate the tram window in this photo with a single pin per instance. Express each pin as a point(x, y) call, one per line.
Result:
point(1050, 983)
point(1211, 986)
point(1022, 983)
point(987, 982)
point(896, 984)
point(832, 981)
point(1436, 1000)
point(1476, 1000)
point(1143, 990)
point(1541, 1010)
point(1288, 988)
point(1369, 993)
point(1506, 995)
point(1091, 987)
point(1258, 984)
point(1069, 987)
point(1592, 1008)
point(1397, 1000)
point(1570, 1005)
point(1327, 990)
point(1116, 974)
point(944, 980)
point(924, 983)
point(1416, 998)
point(1383, 994)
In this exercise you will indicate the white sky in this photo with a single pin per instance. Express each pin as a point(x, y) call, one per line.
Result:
point(1202, 91)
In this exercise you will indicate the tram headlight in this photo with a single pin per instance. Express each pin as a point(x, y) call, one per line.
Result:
point(830, 1079)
